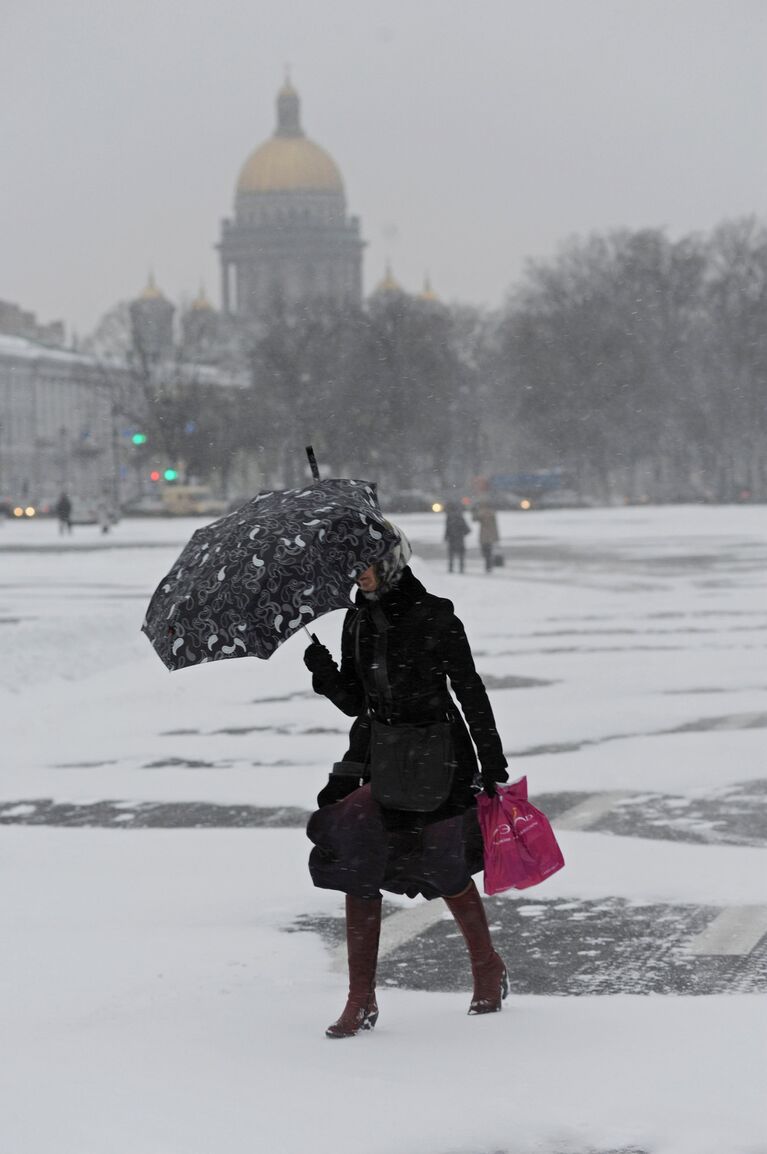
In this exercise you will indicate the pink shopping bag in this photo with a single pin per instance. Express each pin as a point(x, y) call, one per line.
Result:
point(519, 844)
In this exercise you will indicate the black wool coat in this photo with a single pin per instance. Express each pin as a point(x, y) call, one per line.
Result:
point(425, 646)
point(456, 531)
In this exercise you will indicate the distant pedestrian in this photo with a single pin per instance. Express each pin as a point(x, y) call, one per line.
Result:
point(456, 531)
point(484, 514)
point(64, 513)
point(105, 516)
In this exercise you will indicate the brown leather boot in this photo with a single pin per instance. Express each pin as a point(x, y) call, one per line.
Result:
point(363, 929)
point(491, 982)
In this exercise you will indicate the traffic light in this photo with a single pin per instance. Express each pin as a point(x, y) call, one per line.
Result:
point(154, 475)
point(170, 475)
point(139, 438)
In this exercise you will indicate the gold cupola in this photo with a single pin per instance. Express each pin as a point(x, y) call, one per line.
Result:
point(201, 304)
point(388, 284)
point(427, 293)
point(289, 161)
point(151, 292)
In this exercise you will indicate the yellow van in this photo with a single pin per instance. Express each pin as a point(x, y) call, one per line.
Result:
point(191, 501)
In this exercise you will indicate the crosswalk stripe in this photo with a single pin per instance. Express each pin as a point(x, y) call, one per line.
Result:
point(733, 931)
point(588, 811)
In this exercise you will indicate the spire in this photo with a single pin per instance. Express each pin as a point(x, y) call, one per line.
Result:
point(151, 292)
point(201, 302)
point(427, 293)
point(388, 283)
point(288, 110)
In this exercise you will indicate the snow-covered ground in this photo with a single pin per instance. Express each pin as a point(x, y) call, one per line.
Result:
point(151, 1002)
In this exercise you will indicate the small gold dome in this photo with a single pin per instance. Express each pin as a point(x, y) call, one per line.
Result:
point(151, 292)
point(427, 293)
point(388, 283)
point(287, 163)
point(201, 303)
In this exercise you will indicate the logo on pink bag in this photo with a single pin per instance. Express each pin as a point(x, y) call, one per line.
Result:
point(502, 833)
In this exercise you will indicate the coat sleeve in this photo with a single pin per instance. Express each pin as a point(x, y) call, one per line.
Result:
point(469, 688)
point(342, 686)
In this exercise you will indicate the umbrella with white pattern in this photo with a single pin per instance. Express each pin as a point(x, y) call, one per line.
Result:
point(248, 581)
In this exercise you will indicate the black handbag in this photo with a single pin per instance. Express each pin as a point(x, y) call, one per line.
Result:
point(411, 766)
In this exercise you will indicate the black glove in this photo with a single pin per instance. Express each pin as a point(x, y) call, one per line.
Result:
point(344, 779)
point(490, 775)
point(318, 658)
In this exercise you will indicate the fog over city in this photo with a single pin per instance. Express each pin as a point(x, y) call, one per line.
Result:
point(383, 576)
point(469, 137)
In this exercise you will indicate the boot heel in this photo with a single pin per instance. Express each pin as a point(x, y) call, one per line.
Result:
point(369, 1020)
point(353, 1021)
point(490, 990)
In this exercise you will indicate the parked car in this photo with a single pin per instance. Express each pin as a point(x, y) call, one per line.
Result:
point(84, 512)
point(150, 506)
point(18, 510)
point(563, 499)
point(192, 501)
point(407, 501)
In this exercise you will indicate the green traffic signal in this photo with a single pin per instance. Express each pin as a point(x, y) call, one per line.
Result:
point(170, 475)
point(139, 438)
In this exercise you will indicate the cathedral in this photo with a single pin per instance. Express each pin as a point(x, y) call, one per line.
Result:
point(290, 238)
point(290, 241)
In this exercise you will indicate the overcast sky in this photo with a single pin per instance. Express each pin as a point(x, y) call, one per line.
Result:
point(471, 134)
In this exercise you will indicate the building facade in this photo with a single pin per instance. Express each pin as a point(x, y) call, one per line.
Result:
point(290, 238)
point(18, 322)
point(57, 428)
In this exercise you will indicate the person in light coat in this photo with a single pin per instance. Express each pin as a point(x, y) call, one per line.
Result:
point(484, 514)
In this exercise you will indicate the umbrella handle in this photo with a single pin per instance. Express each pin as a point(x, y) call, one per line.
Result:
point(313, 463)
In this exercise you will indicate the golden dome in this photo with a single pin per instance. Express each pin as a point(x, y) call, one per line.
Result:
point(427, 293)
point(201, 302)
point(388, 283)
point(151, 292)
point(289, 161)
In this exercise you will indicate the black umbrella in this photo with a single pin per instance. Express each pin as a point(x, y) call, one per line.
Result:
point(247, 582)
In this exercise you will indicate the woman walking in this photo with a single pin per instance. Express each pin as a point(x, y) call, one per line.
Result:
point(398, 648)
point(488, 532)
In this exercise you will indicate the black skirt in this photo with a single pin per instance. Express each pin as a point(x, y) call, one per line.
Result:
point(360, 851)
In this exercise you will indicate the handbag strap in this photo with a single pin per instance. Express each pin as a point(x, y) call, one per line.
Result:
point(379, 671)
